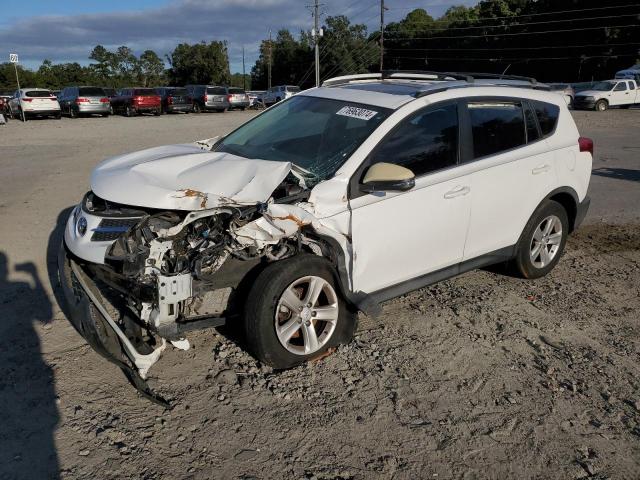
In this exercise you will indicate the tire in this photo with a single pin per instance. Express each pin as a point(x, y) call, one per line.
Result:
point(243, 109)
point(157, 112)
point(601, 105)
point(265, 300)
point(196, 108)
point(128, 111)
point(163, 110)
point(546, 231)
point(23, 117)
point(72, 113)
point(58, 116)
point(221, 110)
point(277, 99)
point(111, 112)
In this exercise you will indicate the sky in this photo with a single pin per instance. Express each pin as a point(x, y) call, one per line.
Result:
point(67, 30)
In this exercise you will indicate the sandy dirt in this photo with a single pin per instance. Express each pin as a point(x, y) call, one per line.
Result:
point(482, 376)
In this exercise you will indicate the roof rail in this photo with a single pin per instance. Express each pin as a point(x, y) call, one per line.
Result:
point(349, 78)
point(425, 75)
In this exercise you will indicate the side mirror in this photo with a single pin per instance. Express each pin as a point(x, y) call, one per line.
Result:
point(387, 177)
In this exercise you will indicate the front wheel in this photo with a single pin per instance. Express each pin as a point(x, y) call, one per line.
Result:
point(542, 241)
point(294, 312)
point(601, 105)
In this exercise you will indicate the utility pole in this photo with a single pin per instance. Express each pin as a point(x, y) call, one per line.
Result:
point(316, 37)
point(382, 9)
point(244, 78)
point(269, 65)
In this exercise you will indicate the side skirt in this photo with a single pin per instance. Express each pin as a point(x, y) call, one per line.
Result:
point(498, 256)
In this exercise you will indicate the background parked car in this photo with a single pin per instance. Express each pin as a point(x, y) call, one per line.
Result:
point(174, 99)
point(280, 92)
point(610, 93)
point(582, 86)
point(34, 102)
point(564, 89)
point(237, 98)
point(110, 93)
point(77, 101)
point(134, 101)
point(255, 98)
point(4, 103)
point(208, 97)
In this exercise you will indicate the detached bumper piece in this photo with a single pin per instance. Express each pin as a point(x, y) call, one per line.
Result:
point(90, 318)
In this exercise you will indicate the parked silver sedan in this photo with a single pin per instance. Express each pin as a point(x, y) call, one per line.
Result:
point(77, 101)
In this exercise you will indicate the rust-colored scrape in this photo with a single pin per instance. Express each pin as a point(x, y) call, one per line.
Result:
point(293, 218)
point(195, 193)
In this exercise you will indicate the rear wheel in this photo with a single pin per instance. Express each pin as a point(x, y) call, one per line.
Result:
point(23, 116)
point(542, 241)
point(157, 112)
point(72, 112)
point(128, 111)
point(294, 312)
point(196, 108)
point(602, 105)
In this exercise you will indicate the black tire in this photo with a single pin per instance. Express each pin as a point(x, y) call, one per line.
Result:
point(72, 113)
point(128, 111)
point(221, 110)
point(58, 116)
point(262, 301)
point(601, 105)
point(196, 108)
point(523, 263)
point(111, 111)
point(277, 99)
point(243, 108)
point(157, 112)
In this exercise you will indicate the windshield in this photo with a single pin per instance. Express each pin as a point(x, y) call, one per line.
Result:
point(603, 86)
point(316, 134)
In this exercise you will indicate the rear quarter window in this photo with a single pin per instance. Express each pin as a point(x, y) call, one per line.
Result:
point(496, 126)
point(547, 114)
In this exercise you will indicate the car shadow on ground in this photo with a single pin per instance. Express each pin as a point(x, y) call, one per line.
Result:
point(27, 389)
point(618, 173)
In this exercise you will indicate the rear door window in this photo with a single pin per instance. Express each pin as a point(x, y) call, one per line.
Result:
point(424, 143)
point(547, 114)
point(496, 126)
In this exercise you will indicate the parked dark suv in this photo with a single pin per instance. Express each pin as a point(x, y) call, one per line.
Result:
point(208, 97)
point(133, 101)
point(174, 99)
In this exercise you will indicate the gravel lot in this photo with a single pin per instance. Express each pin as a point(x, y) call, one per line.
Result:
point(483, 376)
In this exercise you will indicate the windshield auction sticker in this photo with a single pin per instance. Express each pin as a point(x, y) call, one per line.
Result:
point(355, 112)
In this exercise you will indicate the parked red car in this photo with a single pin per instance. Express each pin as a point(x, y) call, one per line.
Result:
point(134, 101)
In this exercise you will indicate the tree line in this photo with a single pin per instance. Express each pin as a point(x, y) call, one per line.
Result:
point(572, 41)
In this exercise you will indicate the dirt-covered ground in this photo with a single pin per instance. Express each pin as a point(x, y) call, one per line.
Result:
point(483, 376)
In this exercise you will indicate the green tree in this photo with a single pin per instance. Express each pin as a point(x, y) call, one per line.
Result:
point(201, 63)
point(151, 68)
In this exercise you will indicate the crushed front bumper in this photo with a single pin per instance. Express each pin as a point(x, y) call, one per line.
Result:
point(92, 321)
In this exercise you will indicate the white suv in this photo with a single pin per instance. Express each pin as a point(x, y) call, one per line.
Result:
point(331, 202)
point(278, 93)
point(34, 102)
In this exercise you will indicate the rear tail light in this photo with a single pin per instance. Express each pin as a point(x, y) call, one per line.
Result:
point(229, 98)
point(137, 99)
point(585, 144)
point(204, 98)
point(104, 100)
point(27, 99)
point(82, 100)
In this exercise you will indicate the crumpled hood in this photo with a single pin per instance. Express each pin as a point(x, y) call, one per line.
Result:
point(185, 177)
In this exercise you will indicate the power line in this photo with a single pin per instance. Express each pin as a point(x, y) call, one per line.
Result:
point(596, 45)
point(514, 59)
point(513, 24)
point(579, 10)
point(514, 34)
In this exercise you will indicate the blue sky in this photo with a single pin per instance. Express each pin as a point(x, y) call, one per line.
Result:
point(67, 30)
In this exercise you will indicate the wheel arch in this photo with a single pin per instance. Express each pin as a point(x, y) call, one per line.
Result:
point(568, 198)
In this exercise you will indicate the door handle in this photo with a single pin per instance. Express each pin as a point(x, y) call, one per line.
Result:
point(457, 192)
point(541, 169)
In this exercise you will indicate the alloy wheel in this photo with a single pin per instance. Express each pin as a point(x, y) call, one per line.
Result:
point(546, 241)
point(306, 315)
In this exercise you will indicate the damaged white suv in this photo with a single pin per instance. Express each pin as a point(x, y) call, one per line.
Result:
point(328, 203)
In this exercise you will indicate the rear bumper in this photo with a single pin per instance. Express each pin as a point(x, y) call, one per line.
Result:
point(146, 108)
point(35, 113)
point(95, 108)
point(581, 213)
point(187, 107)
point(239, 105)
point(216, 106)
